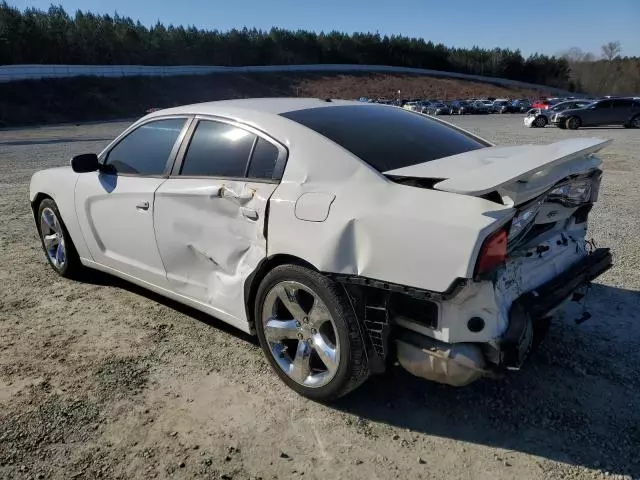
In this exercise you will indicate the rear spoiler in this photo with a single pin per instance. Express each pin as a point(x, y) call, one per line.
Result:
point(501, 170)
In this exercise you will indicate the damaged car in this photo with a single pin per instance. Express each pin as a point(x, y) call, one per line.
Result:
point(345, 235)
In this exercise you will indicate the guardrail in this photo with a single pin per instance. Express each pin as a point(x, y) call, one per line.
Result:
point(9, 73)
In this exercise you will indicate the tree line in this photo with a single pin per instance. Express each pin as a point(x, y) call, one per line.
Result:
point(610, 74)
point(54, 36)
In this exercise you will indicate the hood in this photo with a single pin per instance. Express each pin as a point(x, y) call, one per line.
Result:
point(517, 173)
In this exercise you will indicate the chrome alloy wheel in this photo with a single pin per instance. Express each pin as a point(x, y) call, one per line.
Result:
point(301, 334)
point(53, 238)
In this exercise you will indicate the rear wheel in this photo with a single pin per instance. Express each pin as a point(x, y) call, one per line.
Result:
point(56, 241)
point(309, 333)
point(573, 123)
point(634, 122)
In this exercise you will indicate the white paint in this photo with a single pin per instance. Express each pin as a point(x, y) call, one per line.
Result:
point(314, 206)
point(208, 244)
point(526, 170)
point(118, 233)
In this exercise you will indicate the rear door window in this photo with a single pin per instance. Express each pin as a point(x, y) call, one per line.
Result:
point(263, 160)
point(622, 103)
point(218, 149)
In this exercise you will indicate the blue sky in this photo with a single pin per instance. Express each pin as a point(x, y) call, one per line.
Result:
point(544, 26)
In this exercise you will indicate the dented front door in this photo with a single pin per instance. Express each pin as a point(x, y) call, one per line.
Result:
point(210, 235)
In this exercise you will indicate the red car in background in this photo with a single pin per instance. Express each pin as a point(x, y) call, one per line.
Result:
point(545, 103)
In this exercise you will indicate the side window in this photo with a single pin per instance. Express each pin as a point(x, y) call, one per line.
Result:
point(218, 150)
point(623, 103)
point(263, 160)
point(145, 150)
point(604, 104)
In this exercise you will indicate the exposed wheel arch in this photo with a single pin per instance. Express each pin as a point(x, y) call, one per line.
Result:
point(37, 200)
point(252, 283)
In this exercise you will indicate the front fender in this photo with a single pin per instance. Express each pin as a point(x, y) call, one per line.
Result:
point(59, 184)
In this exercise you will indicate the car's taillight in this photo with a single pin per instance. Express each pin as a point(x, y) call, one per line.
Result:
point(493, 252)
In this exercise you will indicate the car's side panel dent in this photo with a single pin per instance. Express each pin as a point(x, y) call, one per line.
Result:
point(211, 238)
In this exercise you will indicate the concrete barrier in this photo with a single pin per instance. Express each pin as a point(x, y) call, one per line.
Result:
point(9, 73)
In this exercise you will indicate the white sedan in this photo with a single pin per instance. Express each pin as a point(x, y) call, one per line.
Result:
point(345, 235)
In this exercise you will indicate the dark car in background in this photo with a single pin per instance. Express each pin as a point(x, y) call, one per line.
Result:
point(520, 106)
point(610, 111)
point(461, 107)
point(501, 106)
point(438, 108)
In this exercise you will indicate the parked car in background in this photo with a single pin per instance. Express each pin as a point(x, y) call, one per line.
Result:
point(481, 107)
point(488, 104)
point(538, 118)
point(198, 204)
point(520, 106)
point(612, 111)
point(438, 108)
point(420, 106)
point(461, 107)
point(500, 106)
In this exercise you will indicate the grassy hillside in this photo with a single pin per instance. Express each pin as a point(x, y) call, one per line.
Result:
point(93, 98)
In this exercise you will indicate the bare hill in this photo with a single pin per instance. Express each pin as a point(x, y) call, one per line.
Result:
point(93, 98)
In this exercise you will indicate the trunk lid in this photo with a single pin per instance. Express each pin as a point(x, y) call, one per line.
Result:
point(518, 174)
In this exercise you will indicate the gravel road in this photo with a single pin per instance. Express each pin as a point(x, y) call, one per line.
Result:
point(99, 379)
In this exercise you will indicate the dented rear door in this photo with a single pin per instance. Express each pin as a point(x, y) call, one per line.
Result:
point(209, 217)
point(210, 235)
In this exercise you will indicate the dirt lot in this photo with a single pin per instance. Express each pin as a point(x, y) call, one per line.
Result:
point(102, 380)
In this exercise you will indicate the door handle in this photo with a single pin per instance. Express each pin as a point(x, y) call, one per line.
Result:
point(242, 197)
point(143, 206)
point(249, 213)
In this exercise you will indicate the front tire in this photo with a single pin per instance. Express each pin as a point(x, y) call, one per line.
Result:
point(56, 241)
point(309, 333)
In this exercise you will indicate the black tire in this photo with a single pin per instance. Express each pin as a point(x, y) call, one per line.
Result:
point(633, 123)
point(540, 122)
point(352, 368)
point(573, 123)
point(71, 268)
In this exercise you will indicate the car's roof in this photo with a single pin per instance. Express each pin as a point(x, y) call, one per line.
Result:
point(274, 106)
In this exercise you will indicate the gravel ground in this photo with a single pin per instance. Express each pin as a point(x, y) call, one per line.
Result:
point(99, 379)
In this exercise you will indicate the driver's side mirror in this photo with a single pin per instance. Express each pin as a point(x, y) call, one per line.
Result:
point(86, 162)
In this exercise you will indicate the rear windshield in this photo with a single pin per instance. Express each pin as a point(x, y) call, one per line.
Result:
point(385, 137)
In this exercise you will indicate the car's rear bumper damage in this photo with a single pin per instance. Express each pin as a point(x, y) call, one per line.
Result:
point(538, 303)
point(380, 309)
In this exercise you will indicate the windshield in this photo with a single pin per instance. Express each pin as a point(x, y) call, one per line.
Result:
point(386, 138)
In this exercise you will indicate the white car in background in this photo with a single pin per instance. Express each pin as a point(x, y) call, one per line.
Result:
point(345, 235)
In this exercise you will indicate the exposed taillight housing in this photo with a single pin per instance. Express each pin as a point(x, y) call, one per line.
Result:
point(493, 252)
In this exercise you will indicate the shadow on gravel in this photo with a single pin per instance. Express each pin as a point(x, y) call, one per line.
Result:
point(49, 141)
point(95, 277)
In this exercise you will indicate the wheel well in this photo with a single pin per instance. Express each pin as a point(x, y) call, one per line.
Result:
point(36, 201)
point(254, 280)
